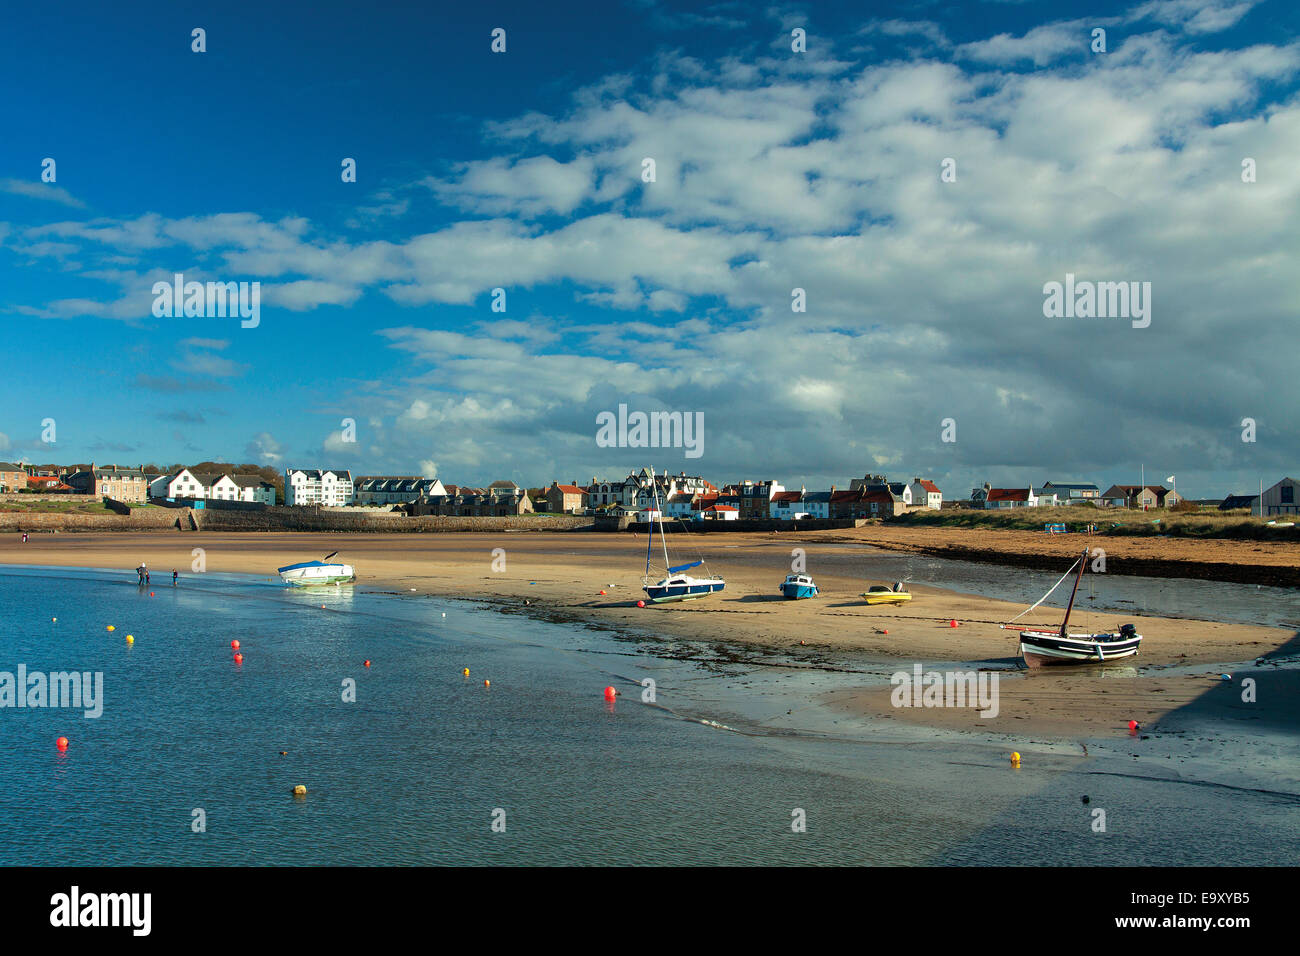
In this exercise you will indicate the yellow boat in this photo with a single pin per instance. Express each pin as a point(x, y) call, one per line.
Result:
point(879, 594)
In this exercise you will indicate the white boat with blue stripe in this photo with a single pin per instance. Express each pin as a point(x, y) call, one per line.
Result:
point(676, 585)
point(312, 573)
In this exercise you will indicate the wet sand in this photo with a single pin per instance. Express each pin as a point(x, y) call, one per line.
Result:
point(559, 576)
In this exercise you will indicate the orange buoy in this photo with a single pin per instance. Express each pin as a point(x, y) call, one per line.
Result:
point(151, 594)
point(367, 663)
point(239, 658)
point(61, 743)
point(885, 631)
point(235, 644)
point(602, 590)
point(610, 693)
point(487, 683)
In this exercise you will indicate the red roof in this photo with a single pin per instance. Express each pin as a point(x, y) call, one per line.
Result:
point(881, 497)
point(722, 508)
point(1008, 494)
point(846, 495)
point(929, 486)
point(787, 496)
point(570, 489)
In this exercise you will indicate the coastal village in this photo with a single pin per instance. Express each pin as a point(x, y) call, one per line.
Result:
point(639, 497)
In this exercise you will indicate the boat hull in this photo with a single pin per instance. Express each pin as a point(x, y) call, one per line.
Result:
point(885, 597)
point(668, 591)
point(797, 592)
point(319, 576)
point(1046, 648)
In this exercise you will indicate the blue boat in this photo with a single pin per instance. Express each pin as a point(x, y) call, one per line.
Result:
point(798, 586)
point(676, 586)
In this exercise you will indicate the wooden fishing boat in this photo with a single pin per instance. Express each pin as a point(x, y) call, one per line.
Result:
point(1040, 647)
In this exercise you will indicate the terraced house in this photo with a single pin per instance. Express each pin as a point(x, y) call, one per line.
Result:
point(109, 481)
point(399, 490)
point(12, 477)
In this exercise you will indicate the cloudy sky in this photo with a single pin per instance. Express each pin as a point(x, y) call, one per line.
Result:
point(774, 170)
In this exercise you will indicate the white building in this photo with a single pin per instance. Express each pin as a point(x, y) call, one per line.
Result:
point(183, 484)
point(925, 494)
point(253, 488)
point(311, 486)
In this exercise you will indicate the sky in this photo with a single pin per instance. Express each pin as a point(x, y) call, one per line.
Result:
point(920, 170)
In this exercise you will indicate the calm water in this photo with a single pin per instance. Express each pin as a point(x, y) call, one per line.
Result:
point(411, 772)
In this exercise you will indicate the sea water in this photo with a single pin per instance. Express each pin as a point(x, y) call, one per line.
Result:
point(427, 766)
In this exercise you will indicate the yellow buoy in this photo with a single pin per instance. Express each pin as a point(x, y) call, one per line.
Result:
point(465, 672)
point(111, 627)
point(1015, 759)
point(299, 791)
point(130, 639)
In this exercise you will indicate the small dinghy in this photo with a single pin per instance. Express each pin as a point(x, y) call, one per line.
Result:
point(879, 594)
point(1040, 647)
point(310, 573)
point(798, 586)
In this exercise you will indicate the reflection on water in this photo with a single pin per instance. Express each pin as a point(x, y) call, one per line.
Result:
point(413, 770)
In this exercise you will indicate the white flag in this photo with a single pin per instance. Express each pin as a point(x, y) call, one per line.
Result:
point(1170, 479)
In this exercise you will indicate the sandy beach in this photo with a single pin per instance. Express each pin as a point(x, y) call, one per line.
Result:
point(560, 577)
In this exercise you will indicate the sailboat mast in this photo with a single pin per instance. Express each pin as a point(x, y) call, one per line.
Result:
point(1083, 563)
point(662, 534)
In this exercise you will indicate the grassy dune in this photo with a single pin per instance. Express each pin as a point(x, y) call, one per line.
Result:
point(1110, 521)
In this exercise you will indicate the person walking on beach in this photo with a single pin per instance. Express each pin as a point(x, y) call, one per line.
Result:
point(139, 573)
point(24, 537)
point(174, 577)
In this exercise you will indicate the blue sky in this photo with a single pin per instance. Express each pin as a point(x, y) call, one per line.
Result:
point(775, 170)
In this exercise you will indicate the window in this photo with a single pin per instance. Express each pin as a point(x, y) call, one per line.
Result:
point(1288, 494)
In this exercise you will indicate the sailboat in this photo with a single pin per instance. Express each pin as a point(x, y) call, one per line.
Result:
point(676, 585)
point(1060, 646)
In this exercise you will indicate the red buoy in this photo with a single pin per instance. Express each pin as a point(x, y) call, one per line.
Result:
point(1133, 725)
point(952, 623)
point(640, 603)
point(610, 693)
point(235, 644)
point(367, 663)
point(239, 658)
point(61, 743)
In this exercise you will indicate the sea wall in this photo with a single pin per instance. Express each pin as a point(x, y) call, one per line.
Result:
point(280, 519)
point(751, 526)
point(140, 519)
point(309, 519)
